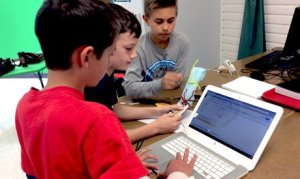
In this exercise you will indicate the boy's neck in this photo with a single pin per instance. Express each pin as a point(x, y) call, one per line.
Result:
point(63, 78)
point(110, 71)
point(161, 44)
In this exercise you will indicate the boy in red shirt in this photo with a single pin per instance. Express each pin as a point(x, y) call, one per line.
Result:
point(61, 135)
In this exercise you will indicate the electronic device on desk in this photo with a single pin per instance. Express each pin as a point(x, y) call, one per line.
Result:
point(26, 58)
point(6, 65)
point(218, 132)
point(289, 57)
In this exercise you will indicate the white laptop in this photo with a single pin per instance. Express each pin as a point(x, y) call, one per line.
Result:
point(233, 127)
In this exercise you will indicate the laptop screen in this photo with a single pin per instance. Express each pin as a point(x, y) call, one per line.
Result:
point(234, 123)
point(292, 43)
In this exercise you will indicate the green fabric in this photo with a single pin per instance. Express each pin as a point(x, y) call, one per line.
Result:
point(252, 40)
point(17, 27)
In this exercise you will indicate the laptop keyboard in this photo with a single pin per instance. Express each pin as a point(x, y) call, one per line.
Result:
point(266, 62)
point(207, 165)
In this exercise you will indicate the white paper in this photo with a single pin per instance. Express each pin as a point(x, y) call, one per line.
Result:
point(248, 86)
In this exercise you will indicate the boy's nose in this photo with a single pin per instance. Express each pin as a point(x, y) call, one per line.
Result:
point(133, 55)
point(165, 26)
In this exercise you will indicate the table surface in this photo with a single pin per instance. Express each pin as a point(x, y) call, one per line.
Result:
point(281, 157)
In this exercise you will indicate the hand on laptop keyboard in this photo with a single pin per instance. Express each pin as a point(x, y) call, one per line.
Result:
point(145, 156)
point(181, 164)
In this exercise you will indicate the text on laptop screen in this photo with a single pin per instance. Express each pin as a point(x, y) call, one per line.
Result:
point(236, 124)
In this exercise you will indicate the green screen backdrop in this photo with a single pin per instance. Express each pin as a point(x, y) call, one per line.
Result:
point(17, 27)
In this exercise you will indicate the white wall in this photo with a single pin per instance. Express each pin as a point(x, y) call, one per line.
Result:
point(231, 23)
point(278, 16)
point(135, 6)
point(200, 21)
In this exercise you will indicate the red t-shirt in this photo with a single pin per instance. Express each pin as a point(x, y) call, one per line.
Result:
point(63, 136)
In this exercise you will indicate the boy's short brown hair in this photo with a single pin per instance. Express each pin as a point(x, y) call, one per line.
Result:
point(128, 21)
point(150, 5)
point(64, 25)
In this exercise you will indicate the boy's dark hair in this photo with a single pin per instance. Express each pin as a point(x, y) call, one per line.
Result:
point(150, 5)
point(129, 22)
point(65, 25)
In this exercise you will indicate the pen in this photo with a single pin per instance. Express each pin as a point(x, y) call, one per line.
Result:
point(153, 171)
point(139, 145)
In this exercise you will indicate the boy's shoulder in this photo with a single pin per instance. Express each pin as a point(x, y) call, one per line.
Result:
point(144, 37)
point(144, 42)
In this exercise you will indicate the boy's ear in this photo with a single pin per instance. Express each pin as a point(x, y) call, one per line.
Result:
point(86, 54)
point(146, 18)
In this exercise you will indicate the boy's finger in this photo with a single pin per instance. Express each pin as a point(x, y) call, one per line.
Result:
point(178, 156)
point(186, 154)
point(193, 160)
point(144, 150)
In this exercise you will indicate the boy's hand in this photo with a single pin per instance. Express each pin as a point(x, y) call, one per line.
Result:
point(167, 123)
point(144, 155)
point(180, 164)
point(167, 108)
point(171, 80)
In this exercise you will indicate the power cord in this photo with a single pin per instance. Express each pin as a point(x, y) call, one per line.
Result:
point(228, 67)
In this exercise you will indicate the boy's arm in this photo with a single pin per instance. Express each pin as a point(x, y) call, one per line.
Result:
point(142, 132)
point(167, 123)
point(134, 85)
point(128, 113)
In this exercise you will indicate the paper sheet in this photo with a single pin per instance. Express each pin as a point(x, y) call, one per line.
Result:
point(248, 86)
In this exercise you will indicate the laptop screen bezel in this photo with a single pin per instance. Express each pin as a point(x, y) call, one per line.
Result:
point(292, 42)
point(224, 150)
